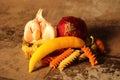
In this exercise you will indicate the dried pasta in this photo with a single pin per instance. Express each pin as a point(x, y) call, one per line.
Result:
point(82, 57)
point(69, 59)
point(46, 60)
point(27, 51)
point(58, 59)
point(30, 48)
point(90, 55)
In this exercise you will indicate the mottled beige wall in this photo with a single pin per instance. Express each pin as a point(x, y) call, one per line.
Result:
point(89, 10)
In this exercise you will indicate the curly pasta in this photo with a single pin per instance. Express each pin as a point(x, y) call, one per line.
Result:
point(46, 60)
point(69, 59)
point(58, 59)
point(82, 57)
point(30, 48)
point(90, 55)
point(27, 51)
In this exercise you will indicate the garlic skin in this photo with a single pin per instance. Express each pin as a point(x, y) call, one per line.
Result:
point(39, 28)
point(47, 30)
point(49, 33)
point(32, 31)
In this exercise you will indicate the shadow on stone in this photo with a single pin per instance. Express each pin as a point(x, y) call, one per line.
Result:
point(105, 33)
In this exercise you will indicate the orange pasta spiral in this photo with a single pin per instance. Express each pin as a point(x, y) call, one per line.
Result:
point(58, 59)
point(46, 60)
point(90, 55)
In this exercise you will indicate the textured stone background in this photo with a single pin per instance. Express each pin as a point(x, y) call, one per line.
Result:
point(101, 16)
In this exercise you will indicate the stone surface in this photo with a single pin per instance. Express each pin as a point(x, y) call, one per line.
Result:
point(102, 18)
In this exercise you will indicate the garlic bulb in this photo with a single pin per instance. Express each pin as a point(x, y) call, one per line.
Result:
point(39, 28)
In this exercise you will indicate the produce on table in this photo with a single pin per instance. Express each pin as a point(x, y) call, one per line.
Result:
point(41, 39)
point(72, 26)
point(39, 28)
point(52, 45)
point(36, 31)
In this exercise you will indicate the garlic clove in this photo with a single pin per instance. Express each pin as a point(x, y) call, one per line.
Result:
point(36, 30)
point(28, 32)
point(48, 33)
point(32, 31)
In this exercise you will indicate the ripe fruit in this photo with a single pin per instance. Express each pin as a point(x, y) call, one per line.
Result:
point(72, 26)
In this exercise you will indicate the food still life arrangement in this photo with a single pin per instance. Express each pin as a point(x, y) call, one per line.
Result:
point(61, 45)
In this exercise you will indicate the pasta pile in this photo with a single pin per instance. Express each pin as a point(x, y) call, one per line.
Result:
point(69, 55)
